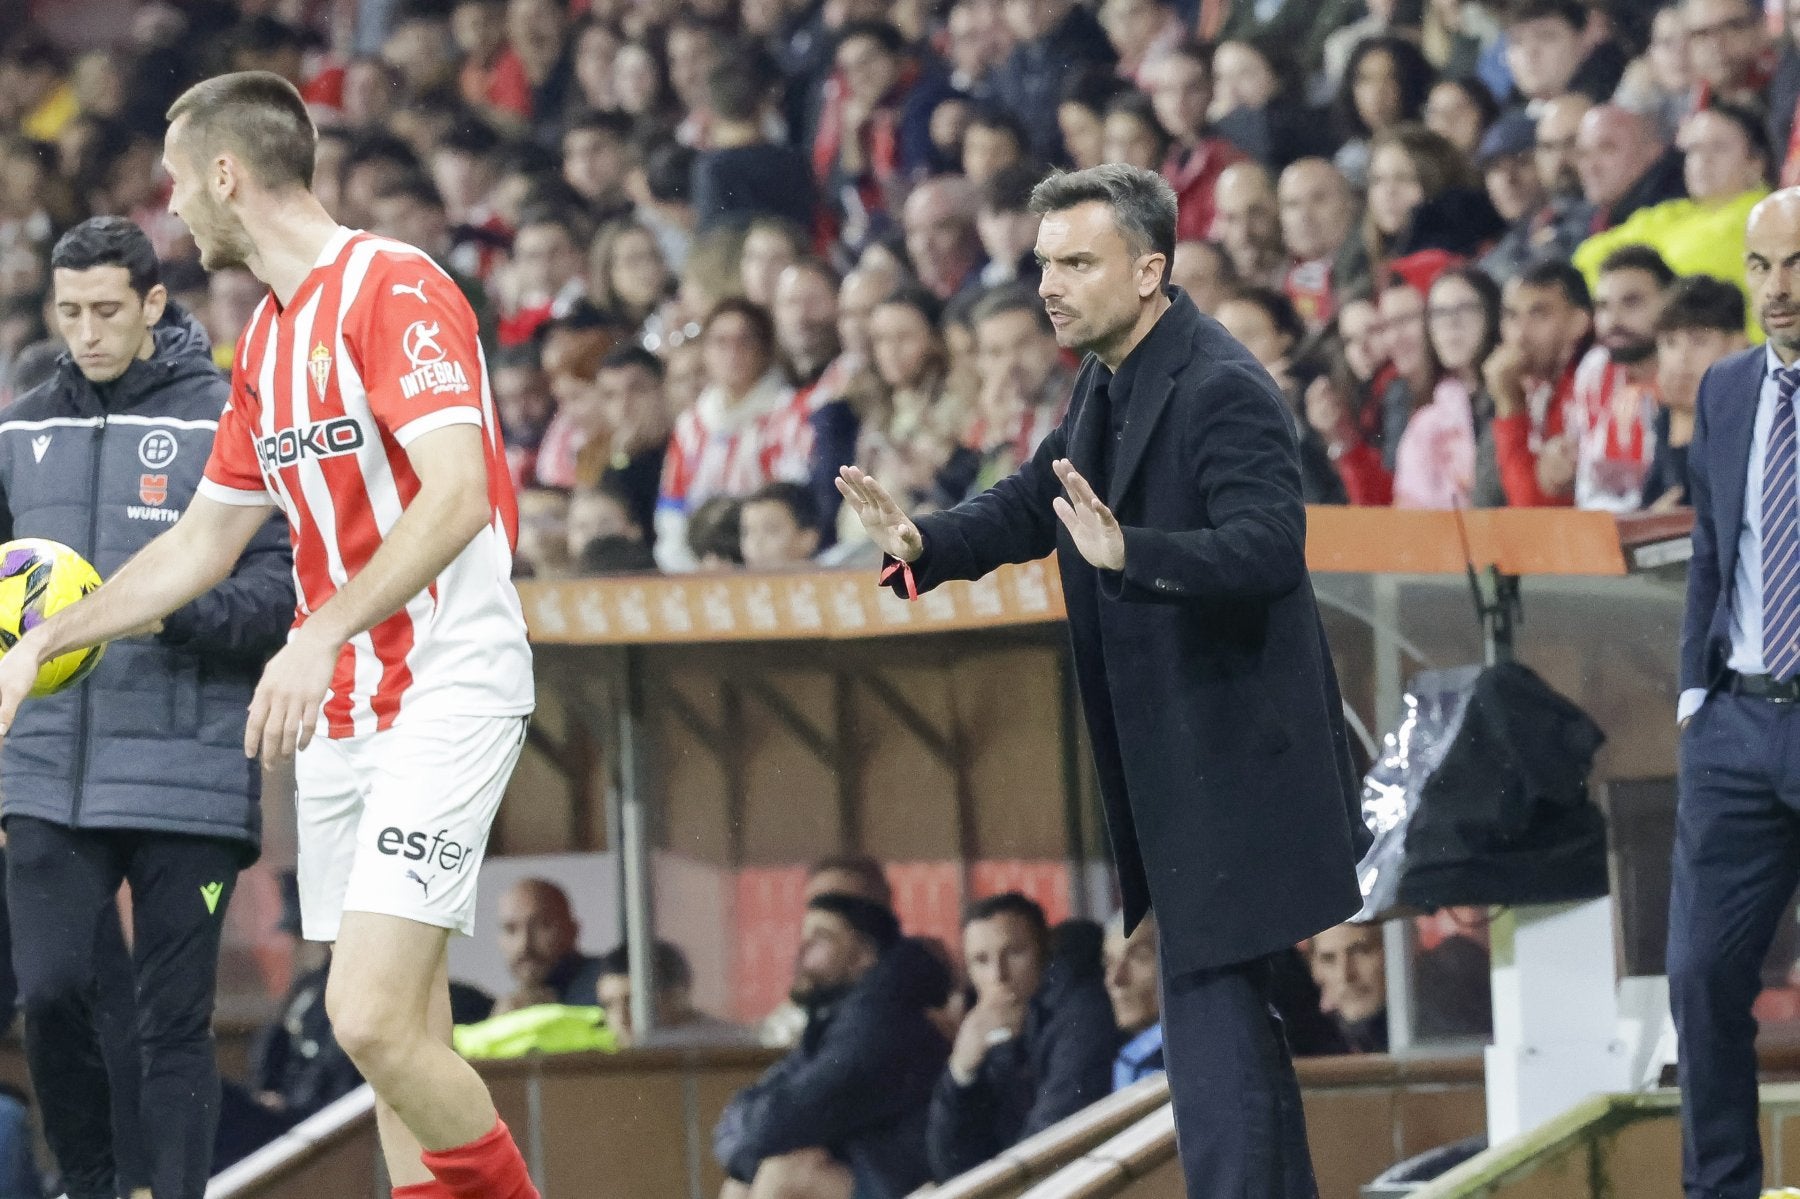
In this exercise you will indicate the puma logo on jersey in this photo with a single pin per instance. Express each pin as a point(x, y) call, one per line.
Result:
point(327, 439)
point(39, 445)
point(411, 289)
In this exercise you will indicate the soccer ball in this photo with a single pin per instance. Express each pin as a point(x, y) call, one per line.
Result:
point(39, 578)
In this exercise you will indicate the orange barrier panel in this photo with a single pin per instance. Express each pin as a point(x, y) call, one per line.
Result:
point(838, 605)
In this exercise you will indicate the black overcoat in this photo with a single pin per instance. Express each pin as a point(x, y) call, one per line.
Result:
point(1205, 678)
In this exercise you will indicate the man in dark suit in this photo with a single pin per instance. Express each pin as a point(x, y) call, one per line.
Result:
point(1737, 840)
point(1207, 684)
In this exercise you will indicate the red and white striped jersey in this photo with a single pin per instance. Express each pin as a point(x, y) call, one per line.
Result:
point(377, 348)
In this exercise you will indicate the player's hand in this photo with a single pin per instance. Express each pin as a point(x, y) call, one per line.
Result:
point(887, 526)
point(1090, 522)
point(18, 675)
point(286, 705)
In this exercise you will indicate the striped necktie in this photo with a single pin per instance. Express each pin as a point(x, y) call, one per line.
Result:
point(1781, 537)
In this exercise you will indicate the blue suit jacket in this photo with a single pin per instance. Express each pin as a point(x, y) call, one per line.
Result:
point(1718, 465)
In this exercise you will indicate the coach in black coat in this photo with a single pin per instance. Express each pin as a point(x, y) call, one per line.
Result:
point(1207, 684)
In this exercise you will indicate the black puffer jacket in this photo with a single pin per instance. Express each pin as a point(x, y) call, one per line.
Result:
point(154, 738)
point(857, 1085)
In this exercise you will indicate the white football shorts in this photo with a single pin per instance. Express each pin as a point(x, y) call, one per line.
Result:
point(396, 822)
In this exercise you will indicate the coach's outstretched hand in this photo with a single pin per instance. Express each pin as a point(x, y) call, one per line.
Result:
point(18, 675)
point(1090, 522)
point(887, 526)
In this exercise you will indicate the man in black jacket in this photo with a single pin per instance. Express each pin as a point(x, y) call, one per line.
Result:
point(1056, 39)
point(138, 774)
point(1211, 703)
point(844, 1111)
point(1037, 1046)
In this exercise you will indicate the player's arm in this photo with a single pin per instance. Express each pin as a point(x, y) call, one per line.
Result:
point(194, 556)
point(450, 509)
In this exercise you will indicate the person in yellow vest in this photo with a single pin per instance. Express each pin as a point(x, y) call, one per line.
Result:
point(1726, 158)
point(37, 75)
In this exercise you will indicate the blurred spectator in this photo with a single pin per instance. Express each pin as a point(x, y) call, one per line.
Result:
point(1386, 82)
point(628, 280)
point(522, 395)
point(539, 936)
point(598, 513)
point(40, 100)
point(1410, 375)
point(535, 66)
point(1531, 378)
point(1334, 402)
point(661, 188)
point(1141, 31)
point(412, 211)
point(1379, 19)
point(1550, 53)
point(1257, 106)
point(596, 154)
point(1181, 87)
point(1423, 196)
point(874, 122)
point(572, 351)
point(1660, 84)
point(616, 555)
point(941, 235)
point(1434, 464)
point(1054, 38)
point(372, 163)
point(679, 1024)
point(1133, 986)
point(978, 40)
point(1783, 100)
point(1133, 134)
point(845, 1109)
point(913, 436)
point(1025, 388)
point(1461, 111)
point(778, 527)
point(1203, 269)
point(713, 535)
point(1008, 228)
point(1317, 213)
point(1081, 115)
point(741, 173)
point(1726, 166)
point(1350, 966)
point(594, 49)
point(1037, 1045)
point(1267, 325)
point(771, 245)
point(1624, 165)
point(1247, 223)
point(1702, 321)
point(1301, 24)
point(1559, 216)
point(544, 281)
point(856, 875)
point(634, 420)
point(543, 550)
point(993, 141)
point(1726, 52)
point(1614, 405)
point(723, 444)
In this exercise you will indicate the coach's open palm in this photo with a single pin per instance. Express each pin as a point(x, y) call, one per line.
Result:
point(1090, 522)
point(887, 526)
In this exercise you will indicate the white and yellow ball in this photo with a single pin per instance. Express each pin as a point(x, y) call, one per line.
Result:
point(39, 578)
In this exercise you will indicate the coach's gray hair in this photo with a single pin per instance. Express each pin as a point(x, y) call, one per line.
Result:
point(1142, 203)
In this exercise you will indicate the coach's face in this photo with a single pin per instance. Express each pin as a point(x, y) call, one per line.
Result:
point(1094, 286)
point(198, 198)
point(105, 323)
point(1772, 269)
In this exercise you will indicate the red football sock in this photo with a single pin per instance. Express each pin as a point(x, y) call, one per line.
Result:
point(422, 1190)
point(489, 1168)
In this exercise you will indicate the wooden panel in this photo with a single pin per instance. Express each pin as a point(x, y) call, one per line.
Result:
point(1566, 1177)
point(1427, 1118)
point(1522, 541)
point(1352, 1137)
point(1643, 1158)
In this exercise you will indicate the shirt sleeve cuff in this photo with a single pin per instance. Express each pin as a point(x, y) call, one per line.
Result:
point(1689, 703)
point(459, 414)
point(237, 497)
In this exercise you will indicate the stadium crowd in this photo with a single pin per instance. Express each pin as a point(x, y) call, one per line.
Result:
point(720, 250)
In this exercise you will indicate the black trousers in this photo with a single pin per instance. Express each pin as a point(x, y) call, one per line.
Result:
point(61, 884)
point(1238, 1121)
point(1737, 860)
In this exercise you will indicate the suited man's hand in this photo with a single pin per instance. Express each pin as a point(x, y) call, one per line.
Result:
point(1090, 522)
point(887, 526)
